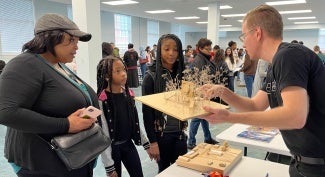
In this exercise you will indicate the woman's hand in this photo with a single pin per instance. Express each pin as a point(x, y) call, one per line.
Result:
point(153, 151)
point(77, 124)
point(112, 174)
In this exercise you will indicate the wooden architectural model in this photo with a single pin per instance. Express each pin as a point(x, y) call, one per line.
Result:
point(183, 101)
point(206, 157)
point(180, 106)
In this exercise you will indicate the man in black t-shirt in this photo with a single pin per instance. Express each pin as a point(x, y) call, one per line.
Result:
point(294, 89)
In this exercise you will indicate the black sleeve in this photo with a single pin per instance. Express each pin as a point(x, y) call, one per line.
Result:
point(20, 86)
point(126, 58)
point(148, 112)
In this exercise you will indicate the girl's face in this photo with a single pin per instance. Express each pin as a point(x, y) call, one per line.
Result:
point(119, 74)
point(228, 51)
point(66, 50)
point(169, 53)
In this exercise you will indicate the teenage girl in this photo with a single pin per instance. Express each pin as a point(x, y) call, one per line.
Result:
point(119, 119)
point(165, 133)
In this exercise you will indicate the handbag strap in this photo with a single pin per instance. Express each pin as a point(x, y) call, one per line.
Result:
point(50, 144)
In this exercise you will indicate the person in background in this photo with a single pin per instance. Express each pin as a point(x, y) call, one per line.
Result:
point(249, 69)
point(119, 119)
point(131, 58)
point(166, 134)
point(260, 75)
point(231, 63)
point(107, 49)
point(319, 53)
point(222, 71)
point(188, 58)
point(202, 60)
point(214, 51)
point(40, 98)
point(292, 89)
point(116, 51)
point(2, 65)
point(143, 61)
point(154, 52)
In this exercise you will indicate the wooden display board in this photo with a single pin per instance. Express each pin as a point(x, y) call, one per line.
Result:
point(206, 157)
point(174, 104)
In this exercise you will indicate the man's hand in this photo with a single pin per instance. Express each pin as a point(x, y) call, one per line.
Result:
point(209, 91)
point(217, 115)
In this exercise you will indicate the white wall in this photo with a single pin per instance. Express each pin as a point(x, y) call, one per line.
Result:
point(108, 26)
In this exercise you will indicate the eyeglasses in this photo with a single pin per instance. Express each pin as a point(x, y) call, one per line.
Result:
point(243, 36)
point(208, 49)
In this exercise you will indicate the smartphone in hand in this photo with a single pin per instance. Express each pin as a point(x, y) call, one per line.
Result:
point(90, 112)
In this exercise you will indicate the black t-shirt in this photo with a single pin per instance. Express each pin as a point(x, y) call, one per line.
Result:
point(296, 65)
point(122, 116)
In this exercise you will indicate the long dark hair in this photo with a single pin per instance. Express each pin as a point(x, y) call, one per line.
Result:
point(178, 65)
point(231, 56)
point(219, 56)
point(44, 41)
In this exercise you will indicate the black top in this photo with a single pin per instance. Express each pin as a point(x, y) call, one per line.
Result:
point(37, 99)
point(296, 65)
point(123, 121)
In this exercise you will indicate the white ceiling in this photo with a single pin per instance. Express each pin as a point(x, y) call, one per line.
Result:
point(190, 8)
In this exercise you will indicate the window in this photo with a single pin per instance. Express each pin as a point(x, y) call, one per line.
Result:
point(16, 24)
point(153, 32)
point(123, 35)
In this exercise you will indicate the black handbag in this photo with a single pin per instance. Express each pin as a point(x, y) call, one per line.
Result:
point(78, 149)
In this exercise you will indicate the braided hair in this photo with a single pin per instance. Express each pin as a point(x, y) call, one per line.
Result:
point(105, 73)
point(178, 65)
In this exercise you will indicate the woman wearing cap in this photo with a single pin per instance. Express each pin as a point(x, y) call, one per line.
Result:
point(41, 98)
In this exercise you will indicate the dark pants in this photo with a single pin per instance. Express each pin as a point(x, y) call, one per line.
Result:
point(298, 169)
point(86, 171)
point(128, 154)
point(231, 84)
point(171, 145)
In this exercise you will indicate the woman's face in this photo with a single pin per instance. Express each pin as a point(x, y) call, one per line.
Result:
point(67, 49)
point(169, 53)
point(228, 51)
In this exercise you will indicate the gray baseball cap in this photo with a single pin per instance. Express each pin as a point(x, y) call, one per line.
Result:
point(51, 21)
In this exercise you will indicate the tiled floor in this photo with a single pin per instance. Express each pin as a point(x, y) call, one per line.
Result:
point(149, 167)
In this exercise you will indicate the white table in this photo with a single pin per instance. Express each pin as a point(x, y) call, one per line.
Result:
point(246, 167)
point(276, 145)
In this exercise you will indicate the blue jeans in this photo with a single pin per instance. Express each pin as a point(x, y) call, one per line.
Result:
point(249, 79)
point(194, 126)
point(143, 68)
point(231, 83)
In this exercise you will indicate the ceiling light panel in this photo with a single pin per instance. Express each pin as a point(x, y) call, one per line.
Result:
point(187, 18)
point(221, 7)
point(159, 11)
point(311, 22)
point(233, 15)
point(115, 3)
point(295, 11)
point(301, 18)
point(276, 3)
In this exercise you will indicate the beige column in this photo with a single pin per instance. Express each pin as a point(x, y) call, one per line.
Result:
point(213, 22)
point(86, 14)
